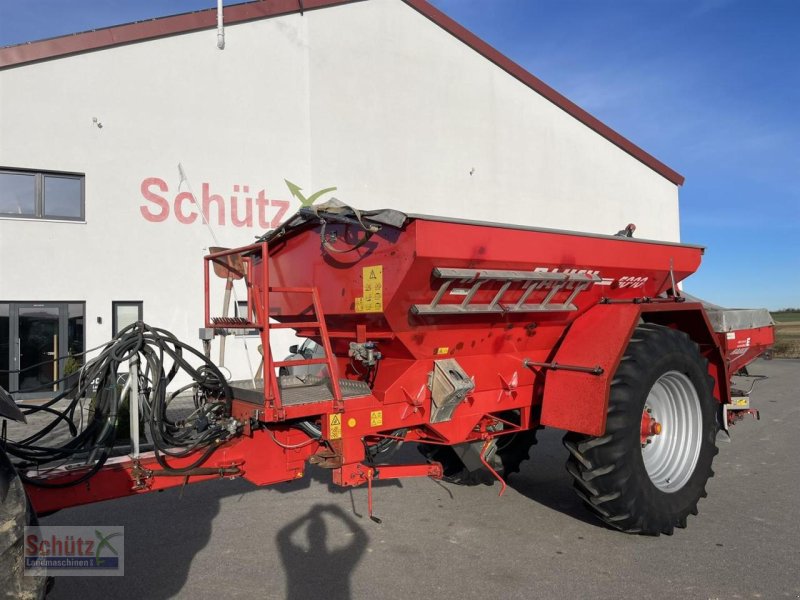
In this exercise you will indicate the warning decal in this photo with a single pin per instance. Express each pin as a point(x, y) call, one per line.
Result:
point(335, 426)
point(376, 418)
point(371, 299)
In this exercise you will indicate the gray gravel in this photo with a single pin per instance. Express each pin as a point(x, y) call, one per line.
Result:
point(230, 540)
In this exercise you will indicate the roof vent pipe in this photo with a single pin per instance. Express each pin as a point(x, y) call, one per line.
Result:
point(220, 30)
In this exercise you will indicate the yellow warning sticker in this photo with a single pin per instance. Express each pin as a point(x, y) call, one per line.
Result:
point(443, 350)
point(376, 418)
point(371, 299)
point(335, 426)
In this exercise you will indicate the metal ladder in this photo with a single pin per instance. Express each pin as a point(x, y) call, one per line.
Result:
point(258, 318)
point(327, 360)
point(524, 281)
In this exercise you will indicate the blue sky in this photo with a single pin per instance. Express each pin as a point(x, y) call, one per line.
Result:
point(710, 87)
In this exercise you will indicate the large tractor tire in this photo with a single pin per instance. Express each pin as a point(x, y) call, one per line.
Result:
point(506, 459)
point(649, 469)
point(15, 513)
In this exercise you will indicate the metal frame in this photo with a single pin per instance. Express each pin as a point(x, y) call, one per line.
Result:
point(256, 277)
point(527, 279)
point(116, 303)
point(516, 360)
point(63, 342)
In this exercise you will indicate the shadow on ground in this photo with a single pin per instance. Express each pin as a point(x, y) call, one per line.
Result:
point(165, 531)
point(311, 560)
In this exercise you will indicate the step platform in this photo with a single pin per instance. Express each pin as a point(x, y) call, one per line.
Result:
point(299, 390)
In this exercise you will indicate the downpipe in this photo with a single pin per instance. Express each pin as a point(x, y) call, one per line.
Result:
point(220, 27)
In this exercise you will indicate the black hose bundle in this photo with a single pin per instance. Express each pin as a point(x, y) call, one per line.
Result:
point(161, 357)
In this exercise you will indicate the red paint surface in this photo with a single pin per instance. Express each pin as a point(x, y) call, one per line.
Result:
point(259, 459)
point(490, 348)
point(578, 401)
point(746, 346)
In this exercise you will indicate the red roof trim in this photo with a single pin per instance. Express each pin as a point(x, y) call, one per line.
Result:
point(108, 37)
point(144, 30)
point(539, 86)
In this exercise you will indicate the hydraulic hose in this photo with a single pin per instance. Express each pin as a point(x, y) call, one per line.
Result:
point(162, 357)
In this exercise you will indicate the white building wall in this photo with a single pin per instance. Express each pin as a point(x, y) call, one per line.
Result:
point(405, 114)
point(371, 97)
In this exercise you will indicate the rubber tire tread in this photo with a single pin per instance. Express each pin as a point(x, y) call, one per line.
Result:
point(608, 471)
point(506, 461)
point(15, 513)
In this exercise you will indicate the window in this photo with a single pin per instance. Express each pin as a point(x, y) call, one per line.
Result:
point(124, 314)
point(41, 195)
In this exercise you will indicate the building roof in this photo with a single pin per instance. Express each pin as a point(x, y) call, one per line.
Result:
point(22, 54)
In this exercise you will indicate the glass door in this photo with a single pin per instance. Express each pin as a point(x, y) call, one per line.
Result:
point(40, 343)
point(6, 347)
point(38, 348)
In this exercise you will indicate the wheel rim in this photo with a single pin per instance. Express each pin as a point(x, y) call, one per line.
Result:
point(670, 457)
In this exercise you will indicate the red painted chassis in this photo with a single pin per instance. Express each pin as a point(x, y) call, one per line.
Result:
point(549, 369)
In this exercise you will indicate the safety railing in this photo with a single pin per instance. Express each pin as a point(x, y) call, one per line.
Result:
point(251, 264)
